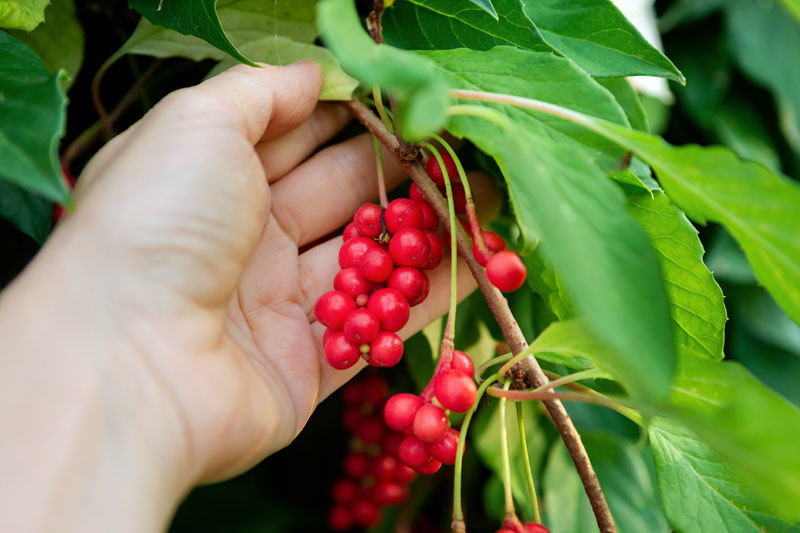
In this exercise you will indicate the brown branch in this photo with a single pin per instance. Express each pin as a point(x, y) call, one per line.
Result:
point(502, 313)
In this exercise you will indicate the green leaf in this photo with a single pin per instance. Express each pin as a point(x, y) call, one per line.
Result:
point(543, 279)
point(487, 6)
point(59, 41)
point(760, 316)
point(22, 14)
point(628, 99)
point(336, 85)
point(32, 105)
point(559, 193)
point(419, 359)
point(198, 18)
point(700, 491)
point(421, 90)
point(598, 37)
point(747, 424)
point(696, 301)
point(624, 477)
point(757, 206)
point(726, 259)
point(29, 212)
point(244, 21)
point(764, 37)
point(447, 24)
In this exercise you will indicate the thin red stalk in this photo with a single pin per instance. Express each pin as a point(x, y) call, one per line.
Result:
point(502, 313)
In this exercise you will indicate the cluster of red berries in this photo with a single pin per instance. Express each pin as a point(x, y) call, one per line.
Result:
point(429, 440)
point(374, 477)
point(382, 261)
point(527, 527)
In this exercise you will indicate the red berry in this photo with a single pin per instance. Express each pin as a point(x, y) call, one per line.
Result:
point(402, 213)
point(415, 193)
point(386, 350)
point(388, 493)
point(429, 468)
point(430, 424)
point(351, 393)
point(392, 443)
point(506, 530)
point(327, 335)
point(463, 363)
point(366, 513)
point(352, 418)
point(437, 251)
point(435, 171)
point(368, 220)
point(340, 519)
point(356, 465)
point(506, 271)
point(374, 390)
point(351, 281)
point(532, 527)
point(399, 411)
point(344, 491)
point(351, 251)
point(391, 308)
point(412, 452)
point(410, 247)
point(445, 450)
point(376, 265)
point(384, 467)
point(464, 225)
point(361, 327)
point(350, 232)
point(494, 243)
point(370, 430)
point(332, 309)
point(412, 283)
point(429, 218)
point(341, 353)
point(459, 198)
point(455, 390)
point(404, 474)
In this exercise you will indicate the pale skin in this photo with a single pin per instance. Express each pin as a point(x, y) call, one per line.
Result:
point(164, 336)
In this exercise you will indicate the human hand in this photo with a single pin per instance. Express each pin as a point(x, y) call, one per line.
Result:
point(193, 266)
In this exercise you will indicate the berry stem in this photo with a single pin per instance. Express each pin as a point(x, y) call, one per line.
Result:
point(523, 442)
point(597, 399)
point(491, 362)
point(499, 307)
point(509, 499)
point(378, 99)
point(569, 378)
point(381, 181)
point(477, 232)
point(458, 513)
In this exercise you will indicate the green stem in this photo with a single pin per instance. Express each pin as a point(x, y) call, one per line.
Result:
point(595, 398)
point(569, 378)
point(376, 144)
point(479, 111)
point(523, 442)
point(509, 499)
point(458, 514)
point(491, 362)
point(376, 96)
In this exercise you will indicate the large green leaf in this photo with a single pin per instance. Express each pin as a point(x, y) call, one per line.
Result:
point(701, 492)
point(31, 121)
point(59, 41)
point(562, 195)
point(627, 484)
point(29, 212)
point(764, 38)
point(420, 88)
point(22, 14)
point(598, 37)
point(336, 85)
point(629, 100)
point(190, 17)
point(244, 21)
point(447, 24)
point(696, 301)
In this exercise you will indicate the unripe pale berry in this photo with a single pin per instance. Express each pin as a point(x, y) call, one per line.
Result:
point(341, 353)
point(402, 213)
point(455, 390)
point(332, 309)
point(352, 282)
point(412, 283)
point(462, 362)
point(437, 251)
point(506, 271)
point(376, 265)
point(361, 327)
point(494, 243)
point(429, 468)
point(413, 452)
point(368, 220)
point(351, 251)
point(399, 411)
point(391, 308)
point(386, 350)
point(430, 424)
point(445, 449)
point(350, 232)
point(435, 172)
point(410, 247)
point(429, 218)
